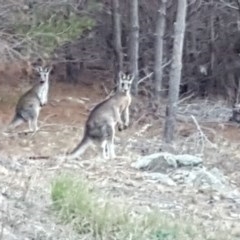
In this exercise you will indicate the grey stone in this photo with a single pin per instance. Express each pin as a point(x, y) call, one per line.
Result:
point(202, 178)
point(161, 161)
point(188, 160)
point(161, 178)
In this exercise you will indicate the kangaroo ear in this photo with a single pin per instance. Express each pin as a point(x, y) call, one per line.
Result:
point(49, 69)
point(121, 75)
point(130, 77)
point(38, 68)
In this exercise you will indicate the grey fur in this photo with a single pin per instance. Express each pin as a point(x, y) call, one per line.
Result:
point(103, 119)
point(29, 104)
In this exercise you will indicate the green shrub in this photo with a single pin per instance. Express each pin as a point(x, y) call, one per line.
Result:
point(56, 30)
point(47, 26)
point(76, 203)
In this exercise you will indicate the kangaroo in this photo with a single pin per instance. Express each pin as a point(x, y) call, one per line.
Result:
point(103, 119)
point(29, 104)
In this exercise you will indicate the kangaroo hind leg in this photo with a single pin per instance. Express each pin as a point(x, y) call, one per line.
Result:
point(111, 137)
point(108, 141)
point(105, 149)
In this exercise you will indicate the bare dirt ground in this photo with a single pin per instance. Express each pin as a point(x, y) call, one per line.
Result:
point(25, 184)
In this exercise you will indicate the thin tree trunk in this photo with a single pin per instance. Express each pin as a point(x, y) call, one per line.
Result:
point(238, 6)
point(117, 36)
point(134, 43)
point(175, 73)
point(160, 30)
point(211, 85)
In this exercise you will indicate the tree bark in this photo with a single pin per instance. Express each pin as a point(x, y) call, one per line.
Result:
point(160, 30)
point(212, 82)
point(175, 73)
point(117, 38)
point(134, 43)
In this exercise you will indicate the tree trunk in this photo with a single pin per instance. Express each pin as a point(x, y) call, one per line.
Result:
point(211, 84)
point(160, 30)
point(117, 36)
point(134, 43)
point(176, 69)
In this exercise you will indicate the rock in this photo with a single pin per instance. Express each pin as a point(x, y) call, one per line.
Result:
point(156, 161)
point(161, 178)
point(180, 175)
point(161, 161)
point(187, 160)
point(233, 195)
point(202, 178)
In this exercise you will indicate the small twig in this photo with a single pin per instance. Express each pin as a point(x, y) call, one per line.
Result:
point(104, 88)
point(202, 135)
point(167, 63)
point(144, 78)
point(2, 230)
point(143, 129)
point(110, 94)
point(47, 125)
point(2, 226)
point(135, 123)
point(49, 116)
point(186, 98)
point(39, 157)
point(26, 189)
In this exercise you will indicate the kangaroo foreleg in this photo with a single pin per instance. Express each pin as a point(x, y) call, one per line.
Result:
point(125, 117)
point(119, 121)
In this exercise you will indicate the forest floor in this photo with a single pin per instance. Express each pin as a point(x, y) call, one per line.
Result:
point(26, 184)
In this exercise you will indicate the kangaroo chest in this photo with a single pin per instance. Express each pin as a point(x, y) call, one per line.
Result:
point(43, 93)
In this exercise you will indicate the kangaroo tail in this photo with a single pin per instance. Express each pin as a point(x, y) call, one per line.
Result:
point(16, 121)
point(80, 148)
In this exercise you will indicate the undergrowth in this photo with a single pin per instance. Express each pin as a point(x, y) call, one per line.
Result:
point(49, 25)
point(78, 204)
point(55, 31)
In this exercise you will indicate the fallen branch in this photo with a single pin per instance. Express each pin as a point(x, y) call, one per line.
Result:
point(203, 137)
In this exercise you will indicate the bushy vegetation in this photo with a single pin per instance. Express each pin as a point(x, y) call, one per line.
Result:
point(46, 26)
point(78, 204)
point(53, 33)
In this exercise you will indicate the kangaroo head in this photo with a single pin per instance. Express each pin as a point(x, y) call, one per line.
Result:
point(125, 82)
point(44, 73)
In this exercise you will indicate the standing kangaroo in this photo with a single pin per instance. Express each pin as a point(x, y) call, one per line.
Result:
point(102, 120)
point(29, 104)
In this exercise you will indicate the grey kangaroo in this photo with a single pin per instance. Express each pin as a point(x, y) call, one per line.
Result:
point(29, 104)
point(103, 119)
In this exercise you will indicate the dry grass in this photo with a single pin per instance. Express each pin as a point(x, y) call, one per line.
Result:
point(79, 205)
point(123, 204)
